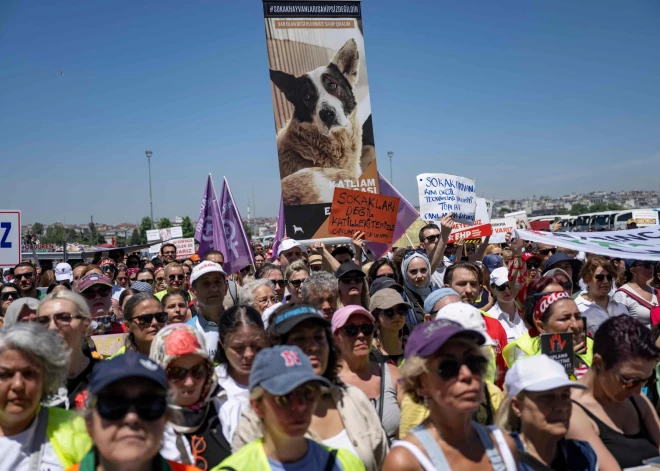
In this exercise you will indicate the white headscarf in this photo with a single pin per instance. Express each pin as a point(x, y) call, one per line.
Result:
point(426, 289)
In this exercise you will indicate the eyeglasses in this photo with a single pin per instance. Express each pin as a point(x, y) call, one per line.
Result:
point(10, 294)
point(629, 383)
point(532, 265)
point(351, 279)
point(279, 283)
point(390, 313)
point(176, 277)
point(306, 394)
point(27, 276)
point(61, 319)
point(147, 408)
point(297, 283)
point(170, 252)
point(146, 319)
point(103, 291)
point(386, 275)
point(450, 368)
point(503, 287)
point(432, 238)
point(546, 252)
point(602, 276)
point(352, 330)
point(179, 374)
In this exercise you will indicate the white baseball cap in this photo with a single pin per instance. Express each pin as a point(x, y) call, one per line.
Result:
point(499, 276)
point(537, 373)
point(204, 268)
point(468, 316)
point(288, 244)
point(63, 272)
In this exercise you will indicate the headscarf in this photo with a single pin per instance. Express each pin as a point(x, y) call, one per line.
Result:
point(426, 289)
point(175, 341)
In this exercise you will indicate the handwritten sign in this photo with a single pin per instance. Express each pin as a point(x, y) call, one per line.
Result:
point(441, 194)
point(108, 344)
point(501, 227)
point(559, 347)
point(352, 211)
point(470, 233)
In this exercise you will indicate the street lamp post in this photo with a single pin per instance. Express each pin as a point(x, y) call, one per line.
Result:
point(151, 202)
point(390, 155)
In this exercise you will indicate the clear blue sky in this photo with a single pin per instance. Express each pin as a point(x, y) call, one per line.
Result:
point(545, 97)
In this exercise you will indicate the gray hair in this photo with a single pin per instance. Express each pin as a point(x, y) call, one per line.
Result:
point(298, 265)
point(246, 295)
point(44, 347)
point(78, 301)
point(16, 307)
point(319, 282)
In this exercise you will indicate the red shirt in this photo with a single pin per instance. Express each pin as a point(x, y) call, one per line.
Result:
point(498, 334)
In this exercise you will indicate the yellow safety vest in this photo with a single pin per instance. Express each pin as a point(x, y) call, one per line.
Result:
point(531, 346)
point(67, 434)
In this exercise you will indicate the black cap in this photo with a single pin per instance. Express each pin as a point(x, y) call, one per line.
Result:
point(128, 365)
point(382, 283)
point(348, 267)
point(284, 322)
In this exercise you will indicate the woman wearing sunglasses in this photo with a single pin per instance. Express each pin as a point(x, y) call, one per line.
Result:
point(126, 416)
point(505, 309)
point(611, 414)
point(274, 274)
point(444, 369)
point(160, 281)
point(295, 275)
point(8, 294)
point(33, 364)
point(109, 268)
point(146, 275)
point(343, 417)
point(353, 328)
point(537, 413)
point(382, 268)
point(181, 351)
point(596, 304)
point(144, 317)
point(284, 392)
point(635, 293)
point(353, 289)
point(97, 291)
point(389, 310)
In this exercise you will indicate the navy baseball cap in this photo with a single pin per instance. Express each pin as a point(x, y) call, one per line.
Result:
point(427, 338)
point(348, 267)
point(382, 283)
point(285, 321)
point(128, 365)
point(492, 261)
point(281, 369)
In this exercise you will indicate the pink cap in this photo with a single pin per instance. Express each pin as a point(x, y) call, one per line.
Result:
point(340, 318)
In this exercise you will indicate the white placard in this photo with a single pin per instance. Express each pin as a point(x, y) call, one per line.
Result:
point(500, 229)
point(10, 238)
point(441, 194)
point(185, 248)
point(164, 234)
point(522, 222)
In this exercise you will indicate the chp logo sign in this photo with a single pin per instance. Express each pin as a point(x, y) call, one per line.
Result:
point(10, 238)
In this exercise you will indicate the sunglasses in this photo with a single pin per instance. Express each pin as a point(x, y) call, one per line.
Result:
point(503, 287)
point(179, 374)
point(602, 276)
point(450, 368)
point(27, 276)
point(149, 280)
point(176, 277)
point(103, 291)
point(146, 319)
point(306, 394)
point(10, 294)
point(410, 252)
point(545, 252)
point(148, 408)
point(133, 279)
point(387, 275)
point(390, 313)
point(629, 383)
point(353, 330)
point(532, 265)
point(432, 238)
point(61, 319)
point(297, 283)
point(350, 279)
point(279, 283)
point(108, 268)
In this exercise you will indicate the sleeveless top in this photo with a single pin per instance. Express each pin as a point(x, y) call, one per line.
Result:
point(501, 460)
point(391, 411)
point(628, 450)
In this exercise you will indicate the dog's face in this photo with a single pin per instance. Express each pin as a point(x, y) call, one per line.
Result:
point(324, 97)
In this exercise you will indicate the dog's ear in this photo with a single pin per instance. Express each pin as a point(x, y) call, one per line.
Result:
point(285, 82)
point(347, 60)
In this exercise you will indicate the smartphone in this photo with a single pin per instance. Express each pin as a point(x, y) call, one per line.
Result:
point(584, 330)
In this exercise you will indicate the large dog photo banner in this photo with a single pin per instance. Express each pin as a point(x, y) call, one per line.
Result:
point(322, 109)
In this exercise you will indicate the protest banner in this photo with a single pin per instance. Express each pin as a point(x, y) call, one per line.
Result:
point(234, 243)
point(184, 247)
point(164, 235)
point(441, 194)
point(559, 347)
point(470, 233)
point(522, 222)
point(353, 211)
point(501, 227)
point(109, 344)
point(10, 238)
point(321, 106)
point(638, 244)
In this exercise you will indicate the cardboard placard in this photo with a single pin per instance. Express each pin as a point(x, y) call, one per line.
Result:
point(470, 233)
point(501, 227)
point(353, 211)
point(441, 194)
point(559, 347)
point(109, 344)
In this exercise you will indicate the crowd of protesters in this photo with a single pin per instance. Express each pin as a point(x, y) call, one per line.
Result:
point(325, 358)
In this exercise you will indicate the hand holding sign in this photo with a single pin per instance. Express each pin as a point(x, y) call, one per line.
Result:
point(446, 225)
point(373, 215)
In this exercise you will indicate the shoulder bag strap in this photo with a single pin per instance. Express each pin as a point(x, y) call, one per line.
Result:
point(39, 440)
point(637, 298)
point(382, 391)
point(331, 460)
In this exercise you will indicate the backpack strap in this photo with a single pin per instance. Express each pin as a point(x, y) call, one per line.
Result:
point(331, 460)
point(232, 291)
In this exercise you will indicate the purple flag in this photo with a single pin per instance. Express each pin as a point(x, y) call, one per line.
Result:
point(280, 230)
point(209, 226)
point(236, 247)
point(405, 217)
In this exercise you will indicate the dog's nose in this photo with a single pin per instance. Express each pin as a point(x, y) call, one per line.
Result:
point(327, 115)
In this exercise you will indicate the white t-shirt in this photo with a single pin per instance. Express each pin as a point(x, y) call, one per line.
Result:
point(639, 312)
point(210, 331)
point(230, 409)
point(15, 451)
point(596, 315)
point(513, 329)
point(438, 276)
